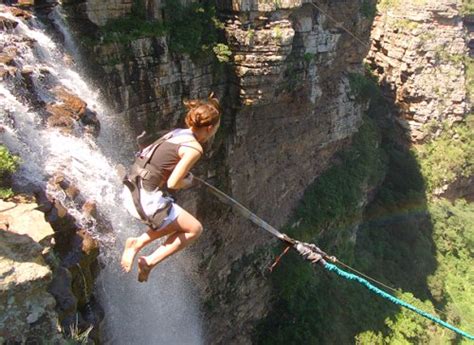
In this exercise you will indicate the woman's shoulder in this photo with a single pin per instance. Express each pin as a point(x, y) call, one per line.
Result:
point(186, 140)
point(190, 146)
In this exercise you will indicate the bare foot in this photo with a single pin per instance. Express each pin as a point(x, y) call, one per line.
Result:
point(129, 253)
point(143, 270)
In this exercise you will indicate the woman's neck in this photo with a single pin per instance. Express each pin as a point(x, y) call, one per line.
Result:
point(200, 134)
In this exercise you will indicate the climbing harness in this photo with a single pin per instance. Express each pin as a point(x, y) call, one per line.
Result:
point(141, 171)
point(314, 254)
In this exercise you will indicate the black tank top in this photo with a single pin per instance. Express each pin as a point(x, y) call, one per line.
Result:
point(166, 156)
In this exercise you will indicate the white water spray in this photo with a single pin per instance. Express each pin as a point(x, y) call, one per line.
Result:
point(162, 311)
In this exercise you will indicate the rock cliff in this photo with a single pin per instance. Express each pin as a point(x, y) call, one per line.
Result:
point(27, 307)
point(418, 52)
point(288, 109)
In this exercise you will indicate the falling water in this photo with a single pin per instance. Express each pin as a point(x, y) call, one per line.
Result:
point(162, 311)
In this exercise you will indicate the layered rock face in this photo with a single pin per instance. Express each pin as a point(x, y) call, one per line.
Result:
point(27, 308)
point(99, 12)
point(291, 63)
point(417, 52)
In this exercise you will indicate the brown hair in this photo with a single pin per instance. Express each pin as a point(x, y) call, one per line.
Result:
point(202, 113)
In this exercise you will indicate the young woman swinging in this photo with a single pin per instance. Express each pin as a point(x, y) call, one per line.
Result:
point(171, 161)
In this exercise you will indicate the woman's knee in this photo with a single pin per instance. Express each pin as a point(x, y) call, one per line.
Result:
point(187, 223)
point(196, 229)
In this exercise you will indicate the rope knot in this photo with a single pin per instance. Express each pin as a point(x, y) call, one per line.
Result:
point(311, 252)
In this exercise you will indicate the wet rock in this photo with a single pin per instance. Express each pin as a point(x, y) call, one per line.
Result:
point(89, 209)
point(60, 288)
point(91, 122)
point(27, 79)
point(69, 106)
point(89, 246)
point(57, 120)
point(20, 13)
point(72, 191)
point(7, 24)
point(6, 59)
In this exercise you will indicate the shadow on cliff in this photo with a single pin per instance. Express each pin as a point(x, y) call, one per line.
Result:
point(390, 240)
point(18, 247)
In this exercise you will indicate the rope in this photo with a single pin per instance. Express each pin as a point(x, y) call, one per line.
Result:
point(340, 25)
point(378, 282)
point(244, 211)
point(393, 299)
point(366, 276)
point(315, 255)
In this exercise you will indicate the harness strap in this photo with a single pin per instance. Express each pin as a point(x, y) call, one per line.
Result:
point(135, 191)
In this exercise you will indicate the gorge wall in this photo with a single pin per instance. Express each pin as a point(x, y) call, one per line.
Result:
point(418, 50)
point(288, 109)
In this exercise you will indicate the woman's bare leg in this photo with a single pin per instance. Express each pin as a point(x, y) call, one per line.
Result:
point(188, 230)
point(134, 244)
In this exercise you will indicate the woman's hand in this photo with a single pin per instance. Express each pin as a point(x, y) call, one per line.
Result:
point(188, 181)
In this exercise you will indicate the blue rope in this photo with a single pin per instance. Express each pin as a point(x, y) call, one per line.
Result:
point(393, 299)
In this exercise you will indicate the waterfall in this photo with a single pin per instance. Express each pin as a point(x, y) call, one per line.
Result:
point(162, 311)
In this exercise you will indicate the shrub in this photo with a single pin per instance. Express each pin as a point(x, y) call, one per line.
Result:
point(193, 28)
point(448, 157)
point(222, 52)
point(8, 165)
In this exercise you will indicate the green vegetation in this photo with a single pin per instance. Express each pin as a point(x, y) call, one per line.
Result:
point(452, 283)
point(192, 29)
point(131, 27)
point(277, 32)
point(469, 65)
point(467, 7)
point(364, 89)
point(405, 24)
point(250, 34)
point(332, 202)
point(385, 5)
point(368, 9)
point(388, 4)
point(222, 52)
point(308, 57)
point(8, 165)
point(449, 156)
point(420, 246)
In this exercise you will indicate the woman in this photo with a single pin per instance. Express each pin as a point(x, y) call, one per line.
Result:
point(173, 159)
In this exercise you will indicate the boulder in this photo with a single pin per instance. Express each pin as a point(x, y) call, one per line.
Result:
point(25, 219)
point(68, 106)
point(27, 309)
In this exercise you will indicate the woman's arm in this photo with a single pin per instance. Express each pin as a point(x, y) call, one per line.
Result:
point(189, 158)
